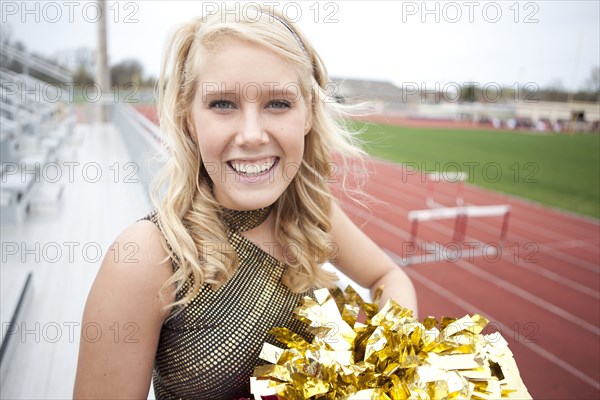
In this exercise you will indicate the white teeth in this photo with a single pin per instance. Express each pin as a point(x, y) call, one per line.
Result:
point(248, 168)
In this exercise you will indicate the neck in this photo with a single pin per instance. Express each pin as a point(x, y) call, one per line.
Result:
point(242, 221)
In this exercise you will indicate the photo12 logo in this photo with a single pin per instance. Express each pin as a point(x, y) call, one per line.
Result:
point(68, 11)
point(68, 252)
point(326, 12)
point(69, 172)
point(456, 92)
point(50, 92)
point(470, 11)
point(70, 331)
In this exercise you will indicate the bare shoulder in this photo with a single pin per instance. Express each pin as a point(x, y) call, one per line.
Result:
point(126, 310)
point(137, 259)
point(144, 241)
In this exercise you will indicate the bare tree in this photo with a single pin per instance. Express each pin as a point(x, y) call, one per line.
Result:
point(593, 83)
point(85, 61)
point(126, 72)
point(5, 33)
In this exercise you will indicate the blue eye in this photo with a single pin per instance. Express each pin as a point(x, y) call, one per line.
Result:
point(280, 104)
point(221, 105)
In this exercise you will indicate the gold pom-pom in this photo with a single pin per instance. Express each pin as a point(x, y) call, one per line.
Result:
point(389, 356)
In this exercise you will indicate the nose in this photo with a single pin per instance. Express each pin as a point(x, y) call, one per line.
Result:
point(251, 130)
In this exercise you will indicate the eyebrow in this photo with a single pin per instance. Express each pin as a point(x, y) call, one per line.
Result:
point(235, 91)
point(268, 91)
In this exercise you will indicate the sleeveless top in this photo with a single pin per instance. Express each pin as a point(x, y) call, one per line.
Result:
point(210, 348)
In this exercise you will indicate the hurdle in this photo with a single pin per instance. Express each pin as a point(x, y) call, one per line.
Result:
point(461, 215)
point(459, 211)
point(436, 177)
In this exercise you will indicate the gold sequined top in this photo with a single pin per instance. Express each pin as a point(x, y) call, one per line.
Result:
point(210, 348)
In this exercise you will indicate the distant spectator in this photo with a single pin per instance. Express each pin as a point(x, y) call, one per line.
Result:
point(540, 126)
point(557, 126)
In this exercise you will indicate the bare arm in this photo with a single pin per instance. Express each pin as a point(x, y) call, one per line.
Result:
point(366, 264)
point(123, 317)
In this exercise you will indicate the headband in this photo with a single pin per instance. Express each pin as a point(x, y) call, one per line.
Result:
point(289, 28)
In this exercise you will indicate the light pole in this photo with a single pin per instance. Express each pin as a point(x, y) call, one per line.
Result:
point(102, 76)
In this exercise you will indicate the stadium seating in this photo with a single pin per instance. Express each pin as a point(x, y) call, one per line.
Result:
point(33, 129)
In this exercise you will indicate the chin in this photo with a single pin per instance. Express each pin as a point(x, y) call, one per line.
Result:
point(244, 201)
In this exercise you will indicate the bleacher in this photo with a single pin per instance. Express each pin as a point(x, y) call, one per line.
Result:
point(43, 292)
point(33, 131)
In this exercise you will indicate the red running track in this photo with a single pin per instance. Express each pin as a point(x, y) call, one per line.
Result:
point(541, 291)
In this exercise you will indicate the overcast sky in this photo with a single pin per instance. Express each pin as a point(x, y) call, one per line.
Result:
point(543, 42)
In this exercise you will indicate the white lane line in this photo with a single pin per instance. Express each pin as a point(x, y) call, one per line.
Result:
point(470, 308)
point(521, 202)
point(560, 279)
point(548, 274)
point(589, 244)
point(517, 291)
point(553, 276)
point(575, 261)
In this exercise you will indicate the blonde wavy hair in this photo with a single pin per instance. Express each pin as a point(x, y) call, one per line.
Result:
point(188, 212)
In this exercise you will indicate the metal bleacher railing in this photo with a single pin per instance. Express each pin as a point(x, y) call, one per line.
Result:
point(30, 61)
point(142, 138)
point(32, 131)
point(33, 128)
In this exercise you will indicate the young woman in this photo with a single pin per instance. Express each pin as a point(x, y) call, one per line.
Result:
point(242, 225)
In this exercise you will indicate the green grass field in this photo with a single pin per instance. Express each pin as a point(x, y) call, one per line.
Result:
point(558, 170)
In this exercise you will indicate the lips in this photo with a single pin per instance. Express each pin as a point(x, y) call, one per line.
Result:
point(253, 167)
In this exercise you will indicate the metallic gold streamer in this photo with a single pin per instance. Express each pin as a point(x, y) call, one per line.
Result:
point(391, 356)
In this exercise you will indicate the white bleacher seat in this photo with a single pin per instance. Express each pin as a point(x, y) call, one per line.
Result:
point(16, 196)
point(32, 134)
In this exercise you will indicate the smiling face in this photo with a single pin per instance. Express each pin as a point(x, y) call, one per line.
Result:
point(250, 121)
